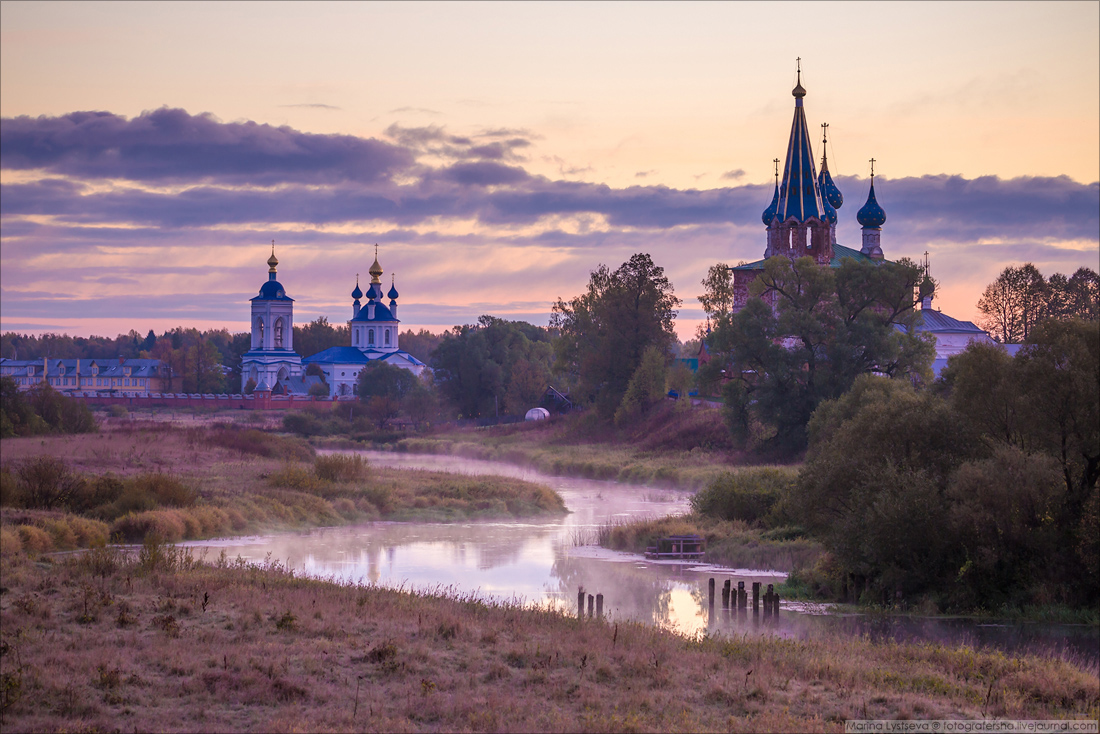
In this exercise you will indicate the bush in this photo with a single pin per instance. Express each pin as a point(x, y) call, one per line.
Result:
point(296, 476)
point(34, 540)
point(46, 482)
point(118, 411)
point(10, 543)
point(10, 492)
point(340, 467)
point(751, 495)
point(258, 443)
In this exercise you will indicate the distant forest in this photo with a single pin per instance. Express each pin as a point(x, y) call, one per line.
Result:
point(191, 353)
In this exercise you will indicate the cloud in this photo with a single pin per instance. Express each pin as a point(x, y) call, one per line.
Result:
point(417, 110)
point(313, 106)
point(170, 145)
point(733, 175)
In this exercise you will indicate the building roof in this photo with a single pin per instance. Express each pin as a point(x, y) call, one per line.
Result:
point(799, 196)
point(272, 290)
point(381, 313)
point(839, 253)
point(354, 355)
point(941, 323)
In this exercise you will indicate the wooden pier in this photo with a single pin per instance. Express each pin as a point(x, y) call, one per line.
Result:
point(678, 547)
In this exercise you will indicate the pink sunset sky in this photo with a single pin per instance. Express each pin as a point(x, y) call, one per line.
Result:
point(498, 152)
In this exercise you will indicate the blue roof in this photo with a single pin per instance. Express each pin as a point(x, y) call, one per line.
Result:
point(354, 355)
point(338, 355)
point(381, 313)
point(829, 191)
point(871, 215)
point(769, 214)
point(799, 196)
point(839, 253)
point(272, 290)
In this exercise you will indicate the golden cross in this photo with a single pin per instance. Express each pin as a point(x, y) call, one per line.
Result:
point(872, 168)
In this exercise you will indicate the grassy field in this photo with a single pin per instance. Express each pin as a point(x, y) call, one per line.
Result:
point(159, 642)
point(681, 448)
point(133, 478)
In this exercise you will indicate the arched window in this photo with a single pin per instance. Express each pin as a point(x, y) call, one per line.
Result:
point(279, 334)
point(370, 337)
point(387, 337)
point(259, 331)
point(356, 336)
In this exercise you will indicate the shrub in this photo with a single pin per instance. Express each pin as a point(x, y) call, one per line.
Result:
point(259, 443)
point(46, 482)
point(118, 411)
point(10, 542)
point(136, 526)
point(751, 495)
point(10, 492)
point(164, 489)
point(296, 476)
point(340, 467)
point(34, 540)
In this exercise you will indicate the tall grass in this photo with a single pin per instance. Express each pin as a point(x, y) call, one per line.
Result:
point(162, 640)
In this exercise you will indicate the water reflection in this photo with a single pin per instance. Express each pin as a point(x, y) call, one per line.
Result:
point(540, 562)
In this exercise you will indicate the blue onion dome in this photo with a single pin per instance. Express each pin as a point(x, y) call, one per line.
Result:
point(829, 190)
point(830, 212)
point(392, 295)
point(272, 290)
point(871, 215)
point(357, 294)
point(769, 213)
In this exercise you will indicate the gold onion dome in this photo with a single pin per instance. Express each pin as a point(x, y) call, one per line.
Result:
point(272, 261)
point(376, 269)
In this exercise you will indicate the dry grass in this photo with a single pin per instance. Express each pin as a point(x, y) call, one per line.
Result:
point(731, 543)
point(190, 483)
point(157, 642)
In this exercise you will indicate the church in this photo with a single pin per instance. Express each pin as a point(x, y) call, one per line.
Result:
point(801, 221)
point(272, 364)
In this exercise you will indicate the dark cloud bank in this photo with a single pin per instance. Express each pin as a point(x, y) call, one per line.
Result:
point(243, 172)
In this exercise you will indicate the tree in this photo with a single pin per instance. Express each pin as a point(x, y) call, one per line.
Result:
point(318, 335)
point(606, 330)
point(873, 485)
point(382, 387)
point(646, 387)
point(420, 344)
point(1014, 303)
point(204, 369)
point(804, 337)
point(475, 365)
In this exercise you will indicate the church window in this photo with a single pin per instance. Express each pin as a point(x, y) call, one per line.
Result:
point(370, 337)
point(260, 331)
point(387, 337)
point(279, 334)
point(357, 336)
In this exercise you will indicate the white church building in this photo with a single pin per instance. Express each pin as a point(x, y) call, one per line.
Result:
point(374, 328)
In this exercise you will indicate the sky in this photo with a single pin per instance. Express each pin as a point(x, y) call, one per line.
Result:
point(499, 152)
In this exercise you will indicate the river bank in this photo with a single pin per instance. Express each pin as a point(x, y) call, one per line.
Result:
point(133, 478)
point(162, 642)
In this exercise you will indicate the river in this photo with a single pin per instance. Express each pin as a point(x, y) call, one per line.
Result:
point(546, 561)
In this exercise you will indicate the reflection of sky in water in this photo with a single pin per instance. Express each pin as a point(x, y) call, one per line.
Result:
point(540, 562)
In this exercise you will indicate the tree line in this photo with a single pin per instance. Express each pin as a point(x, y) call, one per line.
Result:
point(1020, 298)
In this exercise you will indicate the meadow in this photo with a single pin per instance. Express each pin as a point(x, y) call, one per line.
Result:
point(133, 478)
point(160, 640)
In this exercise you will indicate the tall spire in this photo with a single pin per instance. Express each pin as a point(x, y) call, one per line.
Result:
point(799, 196)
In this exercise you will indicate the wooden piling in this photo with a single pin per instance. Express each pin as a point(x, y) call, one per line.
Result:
point(591, 603)
point(726, 594)
point(599, 606)
point(768, 600)
point(742, 600)
point(755, 597)
point(710, 592)
point(580, 603)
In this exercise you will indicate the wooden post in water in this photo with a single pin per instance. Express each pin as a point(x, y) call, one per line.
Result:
point(775, 604)
point(591, 601)
point(710, 593)
point(742, 598)
point(599, 606)
point(768, 601)
point(726, 594)
point(756, 597)
point(580, 603)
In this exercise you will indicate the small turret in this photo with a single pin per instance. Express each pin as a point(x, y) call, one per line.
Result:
point(356, 295)
point(392, 295)
point(872, 216)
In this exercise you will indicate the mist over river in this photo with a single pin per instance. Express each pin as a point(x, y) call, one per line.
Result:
point(545, 561)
